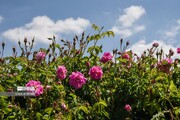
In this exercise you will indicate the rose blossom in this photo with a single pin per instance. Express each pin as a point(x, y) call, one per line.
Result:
point(128, 107)
point(33, 83)
point(40, 56)
point(77, 79)
point(61, 72)
point(168, 60)
point(126, 56)
point(38, 90)
point(106, 57)
point(178, 50)
point(37, 85)
point(165, 65)
point(96, 72)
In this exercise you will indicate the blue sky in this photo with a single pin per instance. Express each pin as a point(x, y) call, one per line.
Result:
point(140, 22)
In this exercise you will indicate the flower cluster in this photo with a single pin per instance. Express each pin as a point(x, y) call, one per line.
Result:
point(96, 73)
point(77, 79)
point(165, 65)
point(40, 56)
point(61, 72)
point(37, 85)
point(106, 57)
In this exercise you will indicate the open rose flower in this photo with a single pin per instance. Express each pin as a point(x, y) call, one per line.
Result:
point(61, 72)
point(126, 56)
point(106, 57)
point(37, 85)
point(96, 73)
point(77, 79)
point(40, 56)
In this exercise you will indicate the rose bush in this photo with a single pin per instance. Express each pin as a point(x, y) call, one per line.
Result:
point(73, 85)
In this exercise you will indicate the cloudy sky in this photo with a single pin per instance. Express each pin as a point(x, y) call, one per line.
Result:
point(139, 22)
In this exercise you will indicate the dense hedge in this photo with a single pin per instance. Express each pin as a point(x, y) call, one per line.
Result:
point(71, 85)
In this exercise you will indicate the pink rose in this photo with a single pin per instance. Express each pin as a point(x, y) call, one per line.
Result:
point(106, 57)
point(127, 107)
point(38, 90)
point(32, 83)
point(37, 85)
point(178, 50)
point(61, 72)
point(40, 56)
point(96, 73)
point(165, 65)
point(169, 61)
point(77, 79)
point(126, 56)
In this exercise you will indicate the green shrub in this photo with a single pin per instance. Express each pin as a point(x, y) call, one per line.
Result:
point(122, 85)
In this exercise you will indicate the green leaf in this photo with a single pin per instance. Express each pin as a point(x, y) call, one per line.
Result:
point(174, 90)
point(57, 46)
point(1, 88)
point(48, 110)
point(91, 38)
point(94, 37)
point(38, 116)
point(177, 110)
point(50, 80)
point(159, 115)
point(95, 27)
point(90, 49)
point(110, 33)
point(84, 109)
point(96, 48)
point(99, 104)
point(11, 117)
point(7, 110)
point(97, 36)
point(172, 87)
point(33, 100)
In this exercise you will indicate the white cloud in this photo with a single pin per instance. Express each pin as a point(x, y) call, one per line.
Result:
point(124, 32)
point(139, 28)
point(131, 14)
point(43, 27)
point(141, 46)
point(178, 21)
point(172, 32)
point(1, 18)
point(126, 26)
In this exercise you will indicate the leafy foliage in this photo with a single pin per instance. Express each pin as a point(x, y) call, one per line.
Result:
point(147, 83)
